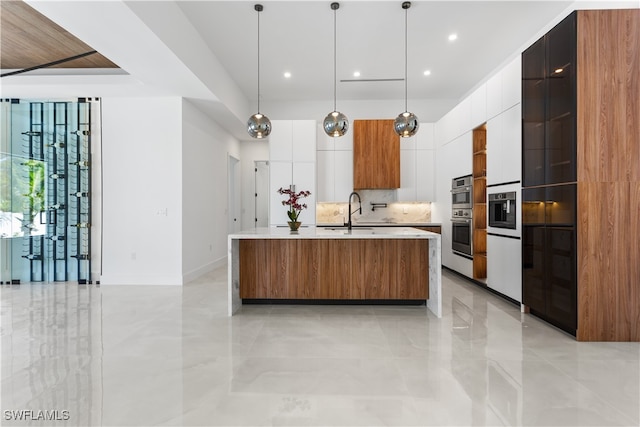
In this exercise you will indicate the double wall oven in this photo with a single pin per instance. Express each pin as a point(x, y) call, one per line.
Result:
point(462, 216)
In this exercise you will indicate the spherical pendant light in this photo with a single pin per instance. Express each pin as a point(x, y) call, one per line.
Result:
point(406, 124)
point(259, 125)
point(336, 123)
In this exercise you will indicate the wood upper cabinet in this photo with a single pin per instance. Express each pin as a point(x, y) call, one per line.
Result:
point(376, 155)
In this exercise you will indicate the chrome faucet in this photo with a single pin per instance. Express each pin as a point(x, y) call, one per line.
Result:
point(359, 210)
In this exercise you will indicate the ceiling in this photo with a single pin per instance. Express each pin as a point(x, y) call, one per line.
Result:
point(206, 51)
point(298, 37)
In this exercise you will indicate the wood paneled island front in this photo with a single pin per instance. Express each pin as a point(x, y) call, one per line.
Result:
point(321, 264)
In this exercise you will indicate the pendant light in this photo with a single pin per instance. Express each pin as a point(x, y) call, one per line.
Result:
point(406, 124)
point(336, 123)
point(259, 125)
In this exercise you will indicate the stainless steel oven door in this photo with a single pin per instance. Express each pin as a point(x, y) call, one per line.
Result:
point(461, 236)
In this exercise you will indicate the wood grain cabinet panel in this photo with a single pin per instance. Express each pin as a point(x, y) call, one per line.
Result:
point(376, 155)
point(255, 273)
point(334, 269)
point(304, 279)
point(411, 280)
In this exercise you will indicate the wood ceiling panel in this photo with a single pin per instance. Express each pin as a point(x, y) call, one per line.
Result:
point(28, 39)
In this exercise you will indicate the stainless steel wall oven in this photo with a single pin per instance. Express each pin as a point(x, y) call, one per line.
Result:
point(461, 215)
point(462, 232)
point(461, 193)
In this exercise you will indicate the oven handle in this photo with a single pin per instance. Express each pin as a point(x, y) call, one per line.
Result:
point(461, 190)
point(461, 220)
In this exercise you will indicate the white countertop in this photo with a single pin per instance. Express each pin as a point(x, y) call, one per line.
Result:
point(335, 232)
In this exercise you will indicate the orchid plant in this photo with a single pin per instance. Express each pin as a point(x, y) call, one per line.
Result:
point(295, 207)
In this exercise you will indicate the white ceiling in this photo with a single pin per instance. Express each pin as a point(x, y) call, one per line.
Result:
point(206, 51)
point(297, 36)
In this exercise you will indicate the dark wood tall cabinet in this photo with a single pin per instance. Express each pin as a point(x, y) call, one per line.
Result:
point(581, 175)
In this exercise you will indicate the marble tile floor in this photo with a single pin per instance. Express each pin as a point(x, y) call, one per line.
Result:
point(162, 355)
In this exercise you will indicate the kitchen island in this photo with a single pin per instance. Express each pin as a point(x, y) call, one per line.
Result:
point(333, 264)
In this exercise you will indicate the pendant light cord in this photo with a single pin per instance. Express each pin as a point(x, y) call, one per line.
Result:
point(405, 59)
point(258, 61)
point(335, 74)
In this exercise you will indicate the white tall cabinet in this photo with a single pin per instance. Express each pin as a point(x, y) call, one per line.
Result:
point(496, 103)
point(335, 166)
point(292, 161)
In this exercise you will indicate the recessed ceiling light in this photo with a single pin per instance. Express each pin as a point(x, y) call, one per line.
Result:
point(287, 75)
point(427, 72)
point(453, 37)
point(356, 74)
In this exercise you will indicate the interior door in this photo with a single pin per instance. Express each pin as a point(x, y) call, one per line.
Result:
point(234, 195)
point(261, 187)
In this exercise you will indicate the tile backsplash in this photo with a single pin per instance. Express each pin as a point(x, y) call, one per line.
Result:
point(395, 212)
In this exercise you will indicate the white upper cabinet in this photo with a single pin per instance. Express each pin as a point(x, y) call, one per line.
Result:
point(334, 166)
point(425, 137)
point(345, 142)
point(292, 140)
point(479, 106)
point(409, 143)
point(512, 84)
point(455, 123)
point(494, 95)
point(512, 144)
point(494, 150)
point(407, 190)
point(425, 175)
point(304, 140)
point(324, 142)
point(326, 166)
point(504, 88)
point(504, 140)
point(281, 141)
point(417, 166)
point(343, 175)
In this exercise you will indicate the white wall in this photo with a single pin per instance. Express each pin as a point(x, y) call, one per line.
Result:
point(205, 149)
point(142, 185)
